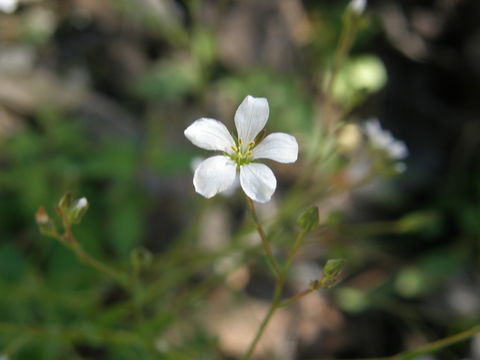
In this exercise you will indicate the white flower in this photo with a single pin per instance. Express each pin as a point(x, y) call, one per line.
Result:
point(218, 173)
point(383, 140)
point(8, 6)
point(358, 6)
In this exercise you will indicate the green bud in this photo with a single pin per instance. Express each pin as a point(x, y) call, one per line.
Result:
point(309, 220)
point(141, 258)
point(331, 272)
point(64, 204)
point(77, 210)
point(45, 224)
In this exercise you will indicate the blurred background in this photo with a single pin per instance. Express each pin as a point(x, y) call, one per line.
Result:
point(94, 98)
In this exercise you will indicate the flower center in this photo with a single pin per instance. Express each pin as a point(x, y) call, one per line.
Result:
point(242, 153)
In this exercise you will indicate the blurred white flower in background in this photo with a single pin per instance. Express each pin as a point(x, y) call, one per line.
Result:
point(358, 6)
point(384, 140)
point(8, 6)
point(218, 173)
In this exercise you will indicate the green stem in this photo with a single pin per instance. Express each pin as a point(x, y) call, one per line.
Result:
point(137, 294)
point(293, 252)
point(437, 345)
point(348, 34)
point(69, 241)
point(277, 296)
point(273, 307)
point(294, 298)
point(433, 346)
point(263, 237)
point(101, 267)
point(73, 334)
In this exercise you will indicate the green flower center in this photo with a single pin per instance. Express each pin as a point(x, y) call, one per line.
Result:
point(242, 154)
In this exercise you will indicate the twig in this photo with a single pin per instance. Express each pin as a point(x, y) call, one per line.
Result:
point(277, 296)
point(432, 347)
point(69, 241)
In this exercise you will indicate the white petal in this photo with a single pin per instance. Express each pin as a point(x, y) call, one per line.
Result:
point(398, 150)
point(258, 182)
point(232, 188)
point(277, 146)
point(214, 175)
point(210, 134)
point(372, 128)
point(251, 117)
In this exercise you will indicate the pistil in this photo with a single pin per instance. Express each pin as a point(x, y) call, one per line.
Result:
point(242, 155)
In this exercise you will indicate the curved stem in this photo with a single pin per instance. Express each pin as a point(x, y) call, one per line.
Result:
point(265, 243)
point(437, 345)
point(69, 334)
point(432, 347)
point(69, 241)
point(294, 298)
point(277, 296)
point(273, 307)
point(347, 37)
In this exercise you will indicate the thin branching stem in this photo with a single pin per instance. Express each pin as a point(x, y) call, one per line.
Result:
point(294, 298)
point(72, 334)
point(347, 37)
point(277, 295)
point(69, 240)
point(263, 237)
point(273, 307)
point(432, 347)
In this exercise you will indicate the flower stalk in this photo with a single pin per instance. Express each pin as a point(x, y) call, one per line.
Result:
point(433, 347)
point(266, 245)
point(277, 295)
point(69, 240)
point(71, 212)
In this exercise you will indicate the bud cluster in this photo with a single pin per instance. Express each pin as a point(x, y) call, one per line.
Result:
point(69, 209)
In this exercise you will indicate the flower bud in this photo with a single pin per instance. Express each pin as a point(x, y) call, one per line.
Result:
point(331, 272)
point(308, 220)
point(65, 203)
point(349, 138)
point(45, 224)
point(77, 210)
